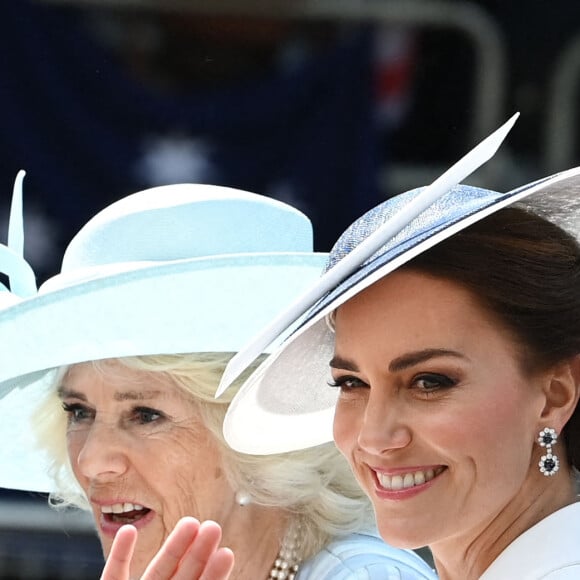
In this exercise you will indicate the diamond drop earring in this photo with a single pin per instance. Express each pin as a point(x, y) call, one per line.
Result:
point(549, 463)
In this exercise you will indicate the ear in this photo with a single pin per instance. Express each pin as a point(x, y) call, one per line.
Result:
point(562, 391)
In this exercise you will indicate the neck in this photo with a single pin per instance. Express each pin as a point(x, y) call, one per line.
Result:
point(467, 556)
point(255, 535)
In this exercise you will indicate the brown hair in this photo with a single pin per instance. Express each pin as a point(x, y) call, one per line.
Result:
point(527, 271)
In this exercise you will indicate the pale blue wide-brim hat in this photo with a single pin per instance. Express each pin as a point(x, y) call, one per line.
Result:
point(286, 403)
point(174, 269)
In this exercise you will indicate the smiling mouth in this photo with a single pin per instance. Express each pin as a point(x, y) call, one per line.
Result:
point(407, 480)
point(124, 513)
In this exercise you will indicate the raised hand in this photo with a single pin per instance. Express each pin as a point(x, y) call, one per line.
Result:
point(190, 552)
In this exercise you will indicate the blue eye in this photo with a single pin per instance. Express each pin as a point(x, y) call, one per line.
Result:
point(77, 412)
point(146, 415)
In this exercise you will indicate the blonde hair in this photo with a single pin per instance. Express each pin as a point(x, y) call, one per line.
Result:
point(314, 486)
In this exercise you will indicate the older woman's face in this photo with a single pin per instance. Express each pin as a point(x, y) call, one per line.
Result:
point(140, 453)
point(435, 415)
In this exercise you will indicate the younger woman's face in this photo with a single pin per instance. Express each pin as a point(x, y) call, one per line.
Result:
point(435, 415)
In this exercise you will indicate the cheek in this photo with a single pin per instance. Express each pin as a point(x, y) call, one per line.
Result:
point(345, 430)
point(193, 478)
point(494, 433)
point(74, 445)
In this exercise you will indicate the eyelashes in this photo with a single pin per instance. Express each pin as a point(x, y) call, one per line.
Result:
point(76, 412)
point(347, 383)
point(423, 383)
point(79, 413)
point(146, 415)
point(434, 381)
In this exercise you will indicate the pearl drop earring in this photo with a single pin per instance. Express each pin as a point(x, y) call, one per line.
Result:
point(243, 498)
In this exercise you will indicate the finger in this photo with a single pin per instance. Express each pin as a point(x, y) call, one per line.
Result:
point(118, 562)
point(205, 545)
point(219, 565)
point(204, 552)
point(166, 561)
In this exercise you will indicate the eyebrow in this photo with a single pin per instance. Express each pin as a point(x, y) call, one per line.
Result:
point(66, 393)
point(402, 362)
point(135, 395)
point(338, 362)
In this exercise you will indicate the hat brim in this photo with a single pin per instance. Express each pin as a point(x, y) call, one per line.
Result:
point(197, 305)
point(284, 405)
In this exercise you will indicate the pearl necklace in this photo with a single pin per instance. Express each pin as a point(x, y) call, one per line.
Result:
point(282, 569)
point(288, 560)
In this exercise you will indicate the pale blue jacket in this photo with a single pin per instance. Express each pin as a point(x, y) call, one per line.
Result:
point(364, 557)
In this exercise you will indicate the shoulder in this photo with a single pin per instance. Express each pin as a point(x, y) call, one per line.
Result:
point(364, 557)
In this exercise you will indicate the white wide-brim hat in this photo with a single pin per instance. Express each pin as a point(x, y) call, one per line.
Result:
point(286, 403)
point(175, 269)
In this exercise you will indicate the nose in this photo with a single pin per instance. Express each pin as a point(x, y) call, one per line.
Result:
point(383, 428)
point(102, 454)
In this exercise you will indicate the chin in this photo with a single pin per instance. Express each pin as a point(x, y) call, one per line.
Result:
point(404, 535)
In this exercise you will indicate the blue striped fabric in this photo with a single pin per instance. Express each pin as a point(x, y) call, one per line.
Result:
point(364, 557)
